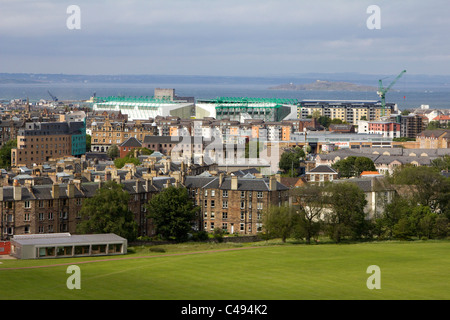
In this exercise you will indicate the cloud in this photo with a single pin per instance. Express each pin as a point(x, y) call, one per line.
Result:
point(235, 37)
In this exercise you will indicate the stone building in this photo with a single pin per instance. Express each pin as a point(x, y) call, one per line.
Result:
point(38, 142)
point(235, 204)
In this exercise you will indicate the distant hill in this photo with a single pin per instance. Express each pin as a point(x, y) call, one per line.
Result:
point(320, 85)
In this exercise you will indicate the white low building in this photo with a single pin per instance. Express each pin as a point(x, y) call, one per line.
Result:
point(66, 245)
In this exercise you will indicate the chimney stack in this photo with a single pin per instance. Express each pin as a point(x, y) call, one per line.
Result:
point(71, 189)
point(148, 183)
point(273, 183)
point(234, 182)
point(55, 191)
point(17, 191)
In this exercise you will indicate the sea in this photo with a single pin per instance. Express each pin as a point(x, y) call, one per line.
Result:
point(405, 99)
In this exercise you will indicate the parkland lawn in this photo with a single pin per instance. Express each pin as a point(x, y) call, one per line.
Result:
point(256, 271)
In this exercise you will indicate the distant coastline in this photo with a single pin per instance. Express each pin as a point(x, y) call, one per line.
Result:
point(320, 85)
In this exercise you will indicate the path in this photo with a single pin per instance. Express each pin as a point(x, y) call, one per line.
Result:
point(127, 258)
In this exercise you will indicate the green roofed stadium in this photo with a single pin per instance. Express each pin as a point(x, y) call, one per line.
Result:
point(241, 108)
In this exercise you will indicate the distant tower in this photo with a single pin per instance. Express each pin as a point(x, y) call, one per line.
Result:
point(28, 106)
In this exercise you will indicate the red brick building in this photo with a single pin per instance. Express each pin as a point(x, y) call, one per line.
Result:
point(129, 145)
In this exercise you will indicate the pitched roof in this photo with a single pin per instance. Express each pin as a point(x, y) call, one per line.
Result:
point(131, 142)
point(322, 169)
point(434, 133)
point(244, 184)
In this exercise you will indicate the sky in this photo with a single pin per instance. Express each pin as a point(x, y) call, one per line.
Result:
point(224, 37)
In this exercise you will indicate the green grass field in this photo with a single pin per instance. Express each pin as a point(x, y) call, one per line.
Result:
point(257, 271)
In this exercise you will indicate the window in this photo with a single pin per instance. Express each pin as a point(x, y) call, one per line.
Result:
point(224, 215)
point(225, 193)
point(27, 204)
point(213, 203)
point(260, 194)
point(242, 204)
point(242, 225)
point(213, 193)
point(206, 193)
point(212, 215)
point(242, 215)
point(259, 206)
point(225, 204)
point(212, 226)
point(242, 194)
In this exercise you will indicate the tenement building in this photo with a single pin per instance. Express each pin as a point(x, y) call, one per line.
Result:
point(53, 208)
point(235, 204)
point(38, 142)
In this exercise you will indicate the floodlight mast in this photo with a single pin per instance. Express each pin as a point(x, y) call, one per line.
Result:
point(382, 91)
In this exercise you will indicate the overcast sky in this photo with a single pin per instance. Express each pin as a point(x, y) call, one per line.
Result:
point(224, 37)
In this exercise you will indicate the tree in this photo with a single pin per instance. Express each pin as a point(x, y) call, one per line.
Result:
point(145, 151)
point(425, 186)
point(113, 152)
point(345, 216)
point(337, 121)
point(310, 201)
point(279, 222)
point(88, 142)
point(316, 114)
point(290, 160)
point(120, 162)
point(421, 208)
point(394, 211)
point(406, 112)
point(364, 164)
point(5, 153)
point(324, 121)
point(441, 163)
point(353, 166)
point(173, 213)
point(107, 212)
point(432, 125)
point(254, 146)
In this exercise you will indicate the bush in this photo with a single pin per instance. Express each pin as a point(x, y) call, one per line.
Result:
point(200, 236)
point(218, 235)
point(156, 249)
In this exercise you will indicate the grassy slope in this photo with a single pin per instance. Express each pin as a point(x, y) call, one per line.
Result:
point(409, 270)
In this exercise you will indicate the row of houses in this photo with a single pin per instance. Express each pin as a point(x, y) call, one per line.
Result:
point(385, 160)
point(114, 132)
point(232, 202)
